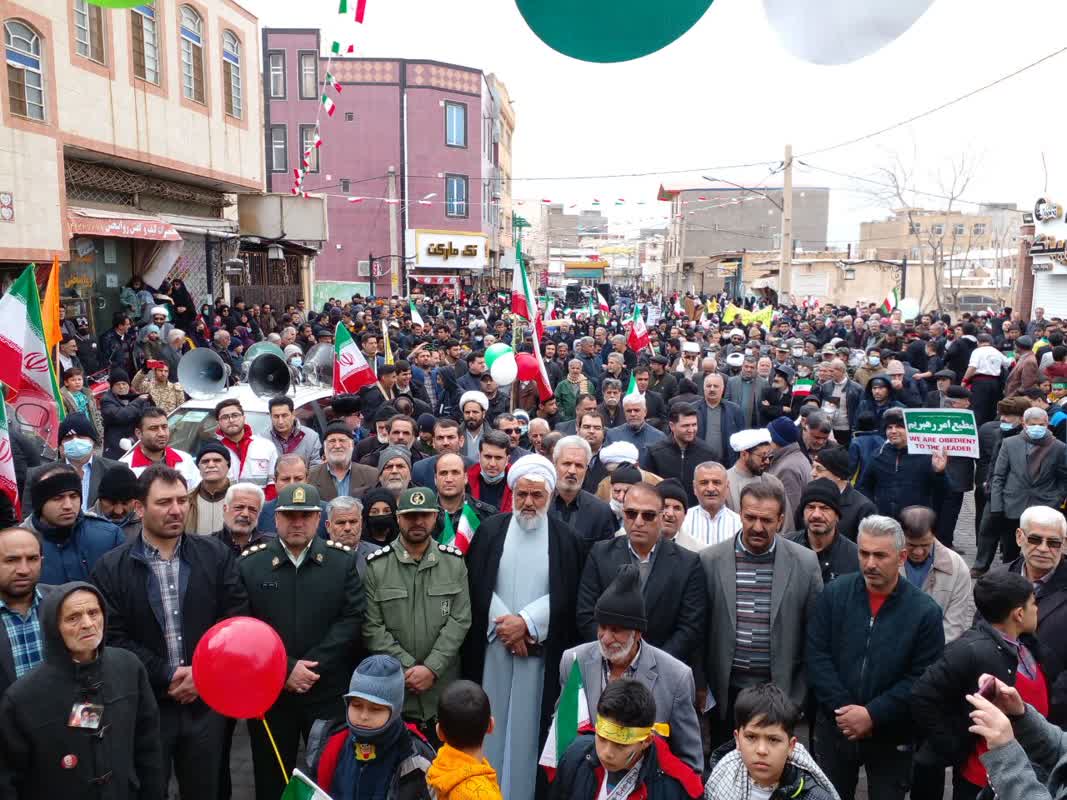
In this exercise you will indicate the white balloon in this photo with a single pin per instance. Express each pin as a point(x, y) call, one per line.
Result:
point(504, 369)
point(840, 31)
point(909, 308)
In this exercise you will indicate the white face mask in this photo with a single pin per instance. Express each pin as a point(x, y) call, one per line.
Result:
point(77, 449)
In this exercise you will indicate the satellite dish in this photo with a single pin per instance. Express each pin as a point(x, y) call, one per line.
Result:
point(202, 373)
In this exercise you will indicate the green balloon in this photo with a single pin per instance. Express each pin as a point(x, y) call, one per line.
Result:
point(495, 351)
point(606, 31)
point(119, 3)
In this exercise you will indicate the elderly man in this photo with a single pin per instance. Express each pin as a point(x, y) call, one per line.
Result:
point(746, 390)
point(539, 429)
point(401, 430)
point(288, 435)
point(761, 590)
point(832, 463)
point(586, 353)
point(678, 455)
point(611, 408)
point(21, 641)
point(671, 581)
point(718, 420)
point(205, 499)
point(473, 406)
point(674, 501)
point(572, 388)
point(711, 522)
point(754, 449)
point(815, 433)
point(394, 469)
point(590, 517)
point(240, 514)
point(288, 470)
point(1031, 470)
point(636, 431)
point(524, 572)
point(418, 607)
point(344, 525)
point(861, 672)
point(820, 508)
point(840, 397)
point(338, 476)
point(621, 649)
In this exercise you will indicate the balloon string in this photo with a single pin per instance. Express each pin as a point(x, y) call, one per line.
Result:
point(278, 755)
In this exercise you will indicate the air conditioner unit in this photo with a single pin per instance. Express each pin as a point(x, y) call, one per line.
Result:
point(363, 269)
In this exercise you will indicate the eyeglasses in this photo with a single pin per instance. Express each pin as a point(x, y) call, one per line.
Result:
point(228, 417)
point(633, 513)
point(1037, 541)
point(511, 431)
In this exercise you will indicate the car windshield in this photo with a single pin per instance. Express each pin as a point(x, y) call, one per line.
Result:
point(191, 427)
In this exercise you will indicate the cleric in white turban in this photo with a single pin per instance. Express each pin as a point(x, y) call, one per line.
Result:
point(534, 467)
point(618, 453)
point(746, 440)
point(474, 397)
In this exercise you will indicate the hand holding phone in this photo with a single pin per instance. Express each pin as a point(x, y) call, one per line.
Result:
point(988, 688)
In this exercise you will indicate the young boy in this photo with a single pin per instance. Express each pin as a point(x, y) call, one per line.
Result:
point(625, 759)
point(374, 754)
point(765, 761)
point(460, 771)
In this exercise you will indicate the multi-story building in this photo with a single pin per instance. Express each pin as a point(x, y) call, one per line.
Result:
point(409, 163)
point(708, 222)
point(125, 135)
point(503, 132)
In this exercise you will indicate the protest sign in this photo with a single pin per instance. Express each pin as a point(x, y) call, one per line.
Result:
point(952, 430)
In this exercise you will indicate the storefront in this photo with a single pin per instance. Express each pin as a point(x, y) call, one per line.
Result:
point(1049, 253)
point(451, 260)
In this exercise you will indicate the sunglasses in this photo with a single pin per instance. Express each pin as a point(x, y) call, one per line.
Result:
point(511, 431)
point(648, 516)
point(1051, 544)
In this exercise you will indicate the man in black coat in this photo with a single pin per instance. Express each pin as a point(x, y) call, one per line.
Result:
point(672, 581)
point(820, 510)
point(677, 456)
point(158, 579)
point(729, 416)
point(832, 463)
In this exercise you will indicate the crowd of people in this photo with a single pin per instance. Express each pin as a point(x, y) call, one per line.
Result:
point(649, 577)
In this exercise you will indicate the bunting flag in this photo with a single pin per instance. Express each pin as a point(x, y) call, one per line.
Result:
point(329, 105)
point(361, 10)
point(462, 534)
point(638, 338)
point(343, 8)
point(8, 484)
point(388, 347)
point(355, 199)
point(416, 317)
point(572, 713)
point(351, 372)
point(892, 300)
point(336, 84)
point(335, 48)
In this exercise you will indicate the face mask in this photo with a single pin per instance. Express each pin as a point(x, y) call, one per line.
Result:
point(77, 448)
point(381, 525)
point(297, 362)
point(1036, 431)
point(492, 480)
point(1006, 426)
point(874, 361)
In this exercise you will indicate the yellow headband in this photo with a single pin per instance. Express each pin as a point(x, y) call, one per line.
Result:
point(613, 732)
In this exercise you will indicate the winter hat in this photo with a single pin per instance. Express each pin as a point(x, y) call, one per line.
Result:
point(119, 483)
point(880, 380)
point(822, 490)
point(426, 423)
point(671, 489)
point(79, 425)
point(391, 452)
point(835, 461)
point(783, 432)
point(56, 483)
point(379, 679)
point(118, 375)
point(336, 427)
point(958, 393)
point(622, 603)
point(626, 474)
point(212, 447)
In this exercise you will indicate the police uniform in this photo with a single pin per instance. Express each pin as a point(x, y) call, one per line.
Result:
point(318, 610)
point(418, 610)
point(483, 510)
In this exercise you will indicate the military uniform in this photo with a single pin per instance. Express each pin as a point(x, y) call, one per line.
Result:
point(318, 611)
point(483, 510)
point(418, 611)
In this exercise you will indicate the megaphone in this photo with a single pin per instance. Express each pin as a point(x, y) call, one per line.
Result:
point(262, 347)
point(268, 376)
point(202, 373)
point(318, 365)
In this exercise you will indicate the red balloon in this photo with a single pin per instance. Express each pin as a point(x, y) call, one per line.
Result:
point(528, 369)
point(239, 667)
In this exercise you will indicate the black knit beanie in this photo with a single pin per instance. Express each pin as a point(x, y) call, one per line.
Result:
point(822, 490)
point(622, 603)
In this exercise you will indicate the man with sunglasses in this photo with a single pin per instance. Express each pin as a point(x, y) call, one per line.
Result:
point(508, 423)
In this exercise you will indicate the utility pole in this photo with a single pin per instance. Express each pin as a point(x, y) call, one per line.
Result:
point(785, 268)
point(394, 244)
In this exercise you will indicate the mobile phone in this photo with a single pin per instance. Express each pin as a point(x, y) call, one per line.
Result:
point(988, 689)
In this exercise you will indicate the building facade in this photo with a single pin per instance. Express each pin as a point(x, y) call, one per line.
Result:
point(125, 135)
point(409, 164)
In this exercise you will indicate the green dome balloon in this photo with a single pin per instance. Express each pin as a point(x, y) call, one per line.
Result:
point(606, 31)
point(495, 351)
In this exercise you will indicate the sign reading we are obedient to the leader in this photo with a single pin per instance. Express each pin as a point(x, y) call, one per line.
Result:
point(949, 430)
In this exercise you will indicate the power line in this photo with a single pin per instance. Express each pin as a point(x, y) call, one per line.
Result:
point(935, 109)
point(891, 186)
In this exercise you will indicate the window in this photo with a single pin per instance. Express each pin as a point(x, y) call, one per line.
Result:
point(231, 73)
point(916, 254)
point(455, 195)
point(25, 80)
point(145, 44)
point(279, 149)
point(89, 30)
point(276, 63)
point(346, 186)
point(915, 227)
point(979, 229)
point(937, 230)
point(307, 143)
point(456, 125)
point(192, 30)
point(309, 76)
point(959, 229)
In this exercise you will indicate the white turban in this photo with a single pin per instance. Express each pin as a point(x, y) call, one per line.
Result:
point(690, 347)
point(619, 453)
point(737, 332)
point(533, 467)
point(159, 310)
point(474, 397)
point(746, 440)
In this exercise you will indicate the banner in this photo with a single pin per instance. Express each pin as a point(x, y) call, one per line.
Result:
point(952, 430)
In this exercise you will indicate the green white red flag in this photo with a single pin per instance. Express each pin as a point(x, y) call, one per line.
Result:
point(601, 303)
point(571, 714)
point(351, 372)
point(301, 787)
point(892, 300)
point(524, 303)
point(416, 317)
point(462, 534)
point(8, 484)
point(638, 339)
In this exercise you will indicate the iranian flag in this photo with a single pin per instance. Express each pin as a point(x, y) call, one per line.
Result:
point(329, 105)
point(524, 304)
point(803, 387)
point(678, 310)
point(7, 465)
point(571, 714)
point(638, 339)
point(301, 787)
point(632, 388)
point(336, 84)
point(892, 300)
point(550, 310)
point(601, 303)
point(336, 48)
point(416, 317)
point(462, 534)
point(351, 372)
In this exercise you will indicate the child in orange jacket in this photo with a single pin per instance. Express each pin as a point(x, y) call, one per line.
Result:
point(460, 771)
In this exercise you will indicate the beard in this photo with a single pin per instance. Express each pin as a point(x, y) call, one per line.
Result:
point(394, 484)
point(339, 460)
point(570, 485)
point(530, 520)
point(616, 653)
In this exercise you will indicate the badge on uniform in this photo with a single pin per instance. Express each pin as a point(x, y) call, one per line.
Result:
point(365, 752)
point(85, 715)
point(446, 607)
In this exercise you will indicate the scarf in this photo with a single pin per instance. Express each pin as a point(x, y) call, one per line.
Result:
point(139, 460)
point(370, 779)
point(240, 448)
point(730, 781)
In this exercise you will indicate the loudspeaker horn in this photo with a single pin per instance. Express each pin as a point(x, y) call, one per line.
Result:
point(269, 376)
point(202, 373)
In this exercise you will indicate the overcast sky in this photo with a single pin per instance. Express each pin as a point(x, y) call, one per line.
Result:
point(727, 93)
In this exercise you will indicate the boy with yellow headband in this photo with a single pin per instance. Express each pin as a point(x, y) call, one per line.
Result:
point(627, 758)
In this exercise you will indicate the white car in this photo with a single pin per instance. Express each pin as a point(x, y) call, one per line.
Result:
point(193, 422)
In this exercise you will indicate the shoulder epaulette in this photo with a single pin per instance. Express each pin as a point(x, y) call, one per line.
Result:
point(380, 552)
point(253, 549)
point(447, 548)
point(338, 546)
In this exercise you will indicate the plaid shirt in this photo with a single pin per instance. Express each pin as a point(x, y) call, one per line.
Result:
point(167, 575)
point(24, 634)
